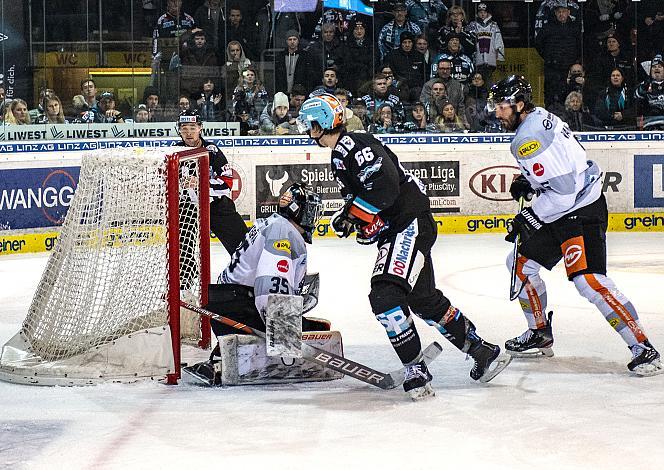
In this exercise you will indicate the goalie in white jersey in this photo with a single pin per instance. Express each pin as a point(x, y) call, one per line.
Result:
point(567, 220)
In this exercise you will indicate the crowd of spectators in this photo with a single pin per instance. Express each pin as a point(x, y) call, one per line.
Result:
point(415, 67)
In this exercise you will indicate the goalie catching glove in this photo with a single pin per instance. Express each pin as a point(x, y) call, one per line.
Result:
point(524, 224)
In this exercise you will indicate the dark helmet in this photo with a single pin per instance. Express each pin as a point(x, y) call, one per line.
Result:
point(510, 90)
point(303, 206)
point(189, 116)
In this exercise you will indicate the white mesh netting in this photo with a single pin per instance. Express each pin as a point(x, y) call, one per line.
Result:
point(108, 274)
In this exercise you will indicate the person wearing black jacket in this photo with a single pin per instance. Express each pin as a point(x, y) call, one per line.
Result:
point(293, 65)
point(356, 56)
point(614, 107)
point(388, 207)
point(559, 44)
point(408, 63)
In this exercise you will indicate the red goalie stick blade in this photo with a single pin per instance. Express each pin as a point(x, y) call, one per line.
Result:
point(386, 381)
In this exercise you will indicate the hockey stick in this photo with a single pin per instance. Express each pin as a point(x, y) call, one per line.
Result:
point(384, 380)
point(514, 293)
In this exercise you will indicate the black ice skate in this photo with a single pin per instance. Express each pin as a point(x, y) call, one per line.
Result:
point(488, 361)
point(540, 339)
point(645, 360)
point(417, 380)
point(208, 372)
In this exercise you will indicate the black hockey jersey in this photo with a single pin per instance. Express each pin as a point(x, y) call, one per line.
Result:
point(221, 175)
point(373, 181)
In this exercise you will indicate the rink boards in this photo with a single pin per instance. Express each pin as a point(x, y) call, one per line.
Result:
point(467, 177)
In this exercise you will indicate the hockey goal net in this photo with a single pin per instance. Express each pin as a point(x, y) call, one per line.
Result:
point(134, 242)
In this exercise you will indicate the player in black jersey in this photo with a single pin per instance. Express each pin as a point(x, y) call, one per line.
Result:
point(225, 222)
point(387, 206)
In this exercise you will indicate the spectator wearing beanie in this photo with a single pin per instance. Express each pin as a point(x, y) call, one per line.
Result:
point(408, 63)
point(613, 56)
point(277, 120)
point(559, 44)
point(390, 36)
point(356, 56)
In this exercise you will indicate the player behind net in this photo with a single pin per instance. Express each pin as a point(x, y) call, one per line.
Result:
point(272, 259)
point(389, 208)
point(567, 220)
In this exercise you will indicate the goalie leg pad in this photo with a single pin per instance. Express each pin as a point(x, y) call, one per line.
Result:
point(283, 325)
point(244, 360)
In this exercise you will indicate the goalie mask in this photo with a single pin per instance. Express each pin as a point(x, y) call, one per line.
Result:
point(303, 206)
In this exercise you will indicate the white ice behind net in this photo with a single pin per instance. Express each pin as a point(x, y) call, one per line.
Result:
point(108, 275)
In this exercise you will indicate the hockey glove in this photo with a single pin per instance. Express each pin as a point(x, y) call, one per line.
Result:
point(524, 224)
point(341, 222)
point(521, 188)
point(369, 233)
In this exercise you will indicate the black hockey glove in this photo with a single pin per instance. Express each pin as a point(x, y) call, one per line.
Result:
point(341, 222)
point(369, 233)
point(524, 224)
point(521, 188)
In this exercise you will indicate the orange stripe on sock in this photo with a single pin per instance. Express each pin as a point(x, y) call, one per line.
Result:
point(535, 305)
point(616, 306)
point(520, 262)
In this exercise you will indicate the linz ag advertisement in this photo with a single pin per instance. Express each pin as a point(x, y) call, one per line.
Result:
point(440, 179)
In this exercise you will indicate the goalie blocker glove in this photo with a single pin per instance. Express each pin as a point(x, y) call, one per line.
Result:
point(524, 224)
point(521, 187)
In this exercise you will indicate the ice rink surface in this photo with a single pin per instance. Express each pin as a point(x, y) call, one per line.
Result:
point(579, 409)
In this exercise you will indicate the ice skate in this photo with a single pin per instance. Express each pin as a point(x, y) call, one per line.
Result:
point(645, 360)
point(532, 343)
point(488, 361)
point(416, 383)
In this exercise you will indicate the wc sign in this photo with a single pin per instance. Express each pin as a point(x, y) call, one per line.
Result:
point(648, 181)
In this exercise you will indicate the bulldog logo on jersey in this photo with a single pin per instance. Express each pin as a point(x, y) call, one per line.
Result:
point(529, 148)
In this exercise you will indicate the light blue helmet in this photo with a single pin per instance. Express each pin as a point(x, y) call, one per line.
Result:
point(325, 109)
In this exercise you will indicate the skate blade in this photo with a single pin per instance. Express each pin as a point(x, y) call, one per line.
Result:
point(541, 352)
point(496, 367)
point(648, 370)
point(422, 393)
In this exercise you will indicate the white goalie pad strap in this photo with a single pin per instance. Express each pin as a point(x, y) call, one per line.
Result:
point(244, 360)
point(283, 325)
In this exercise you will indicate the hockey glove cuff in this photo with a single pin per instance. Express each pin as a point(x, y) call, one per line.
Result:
point(521, 187)
point(524, 224)
point(369, 233)
point(341, 223)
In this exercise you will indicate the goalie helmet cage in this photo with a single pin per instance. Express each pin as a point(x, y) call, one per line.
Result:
point(134, 241)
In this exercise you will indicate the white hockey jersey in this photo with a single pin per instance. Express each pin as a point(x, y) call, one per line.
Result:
point(272, 259)
point(555, 164)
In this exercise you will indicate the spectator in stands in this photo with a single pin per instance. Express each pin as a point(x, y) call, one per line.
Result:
point(36, 113)
point(649, 95)
point(296, 97)
point(17, 112)
point(456, 23)
point(395, 85)
point(449, 121)
point(607, 17)
point(293, 65)
point(422, 46)
point(576, 114)
point(352, 122)
point(435, 99)
point(241, 115)
point(184, 104)
point(454, 89)
point(209, 101)
point(489, 47)
point(383, 120)
point(325, 52)
point(89, 93)
point(559, 44)
point(475, 103)
point(250, 89)
point(546, 12)
point(356, 56)
point(275, 27)
point(277, 120)
point(380, 95)
point(341, 19)
point(141, 115)
point(418, 121)
point(236, 63)
point(359, 108)
point(171, 34)
point(329, 82)
point(82, 114)
point(107, 112)
point(53, 111)
point(390, 34)
point(612, 57)
point(199, 53)
point(210, 18)
point(151, 101)
point(614, 108)
point(427, 14)
point(653, 34)
point(408, 63)
point(244, 32)
point(462, 65)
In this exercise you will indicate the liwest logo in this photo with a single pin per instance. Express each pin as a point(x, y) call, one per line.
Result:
point(648, 180)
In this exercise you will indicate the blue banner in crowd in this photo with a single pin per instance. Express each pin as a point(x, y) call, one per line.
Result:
point(36, 197)
point(351, 5)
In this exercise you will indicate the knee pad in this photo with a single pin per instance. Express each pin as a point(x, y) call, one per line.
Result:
point(385, 296)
